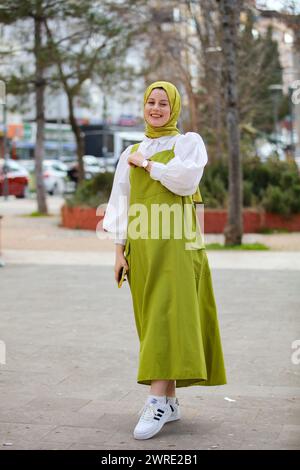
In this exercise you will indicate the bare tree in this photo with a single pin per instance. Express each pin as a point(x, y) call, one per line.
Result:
point(230, 17)
point(24, 13)
point(84, 45)
point(183, 47)
point(40, 85)
point(289, 14)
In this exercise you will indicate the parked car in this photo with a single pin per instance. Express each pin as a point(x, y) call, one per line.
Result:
point(69, 160)
point(55, 176)
point(92, 166)
point(18, 178)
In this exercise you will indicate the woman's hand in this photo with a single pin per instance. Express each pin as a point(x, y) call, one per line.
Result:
point(136, 159)
point(120, 261)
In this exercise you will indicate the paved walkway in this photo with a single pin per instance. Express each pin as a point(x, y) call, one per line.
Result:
point(218, 259)
point(69, 381)
point(21, 232)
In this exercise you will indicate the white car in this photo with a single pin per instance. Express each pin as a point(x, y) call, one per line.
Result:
point(55, 176)
point(92, 166)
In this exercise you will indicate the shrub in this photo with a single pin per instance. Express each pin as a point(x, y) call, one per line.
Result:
point(247, 193)
point(92, 192)
point(213, 185)
point(272, 185)
point(282, 194)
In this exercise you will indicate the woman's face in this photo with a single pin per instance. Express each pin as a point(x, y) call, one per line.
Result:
point(157, 109)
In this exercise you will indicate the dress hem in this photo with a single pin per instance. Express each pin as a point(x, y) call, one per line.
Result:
point(185, 382)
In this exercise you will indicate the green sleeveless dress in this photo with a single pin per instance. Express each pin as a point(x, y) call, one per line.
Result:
point(171, 287)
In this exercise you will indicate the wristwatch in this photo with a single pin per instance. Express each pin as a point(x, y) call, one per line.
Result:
point(145, 163)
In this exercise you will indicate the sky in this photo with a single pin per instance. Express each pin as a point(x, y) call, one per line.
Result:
point(277, 4)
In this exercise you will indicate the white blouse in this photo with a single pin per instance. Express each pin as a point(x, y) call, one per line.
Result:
point(181, 175)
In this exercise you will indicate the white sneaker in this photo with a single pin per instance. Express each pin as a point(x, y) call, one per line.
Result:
point(175, 414)
point(152, 419)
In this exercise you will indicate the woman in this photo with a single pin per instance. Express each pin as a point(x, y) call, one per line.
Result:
point(169, 275)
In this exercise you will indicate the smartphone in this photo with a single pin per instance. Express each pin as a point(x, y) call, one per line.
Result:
point(122, 274)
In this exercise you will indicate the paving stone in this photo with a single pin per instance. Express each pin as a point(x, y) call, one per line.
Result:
point(72, 357)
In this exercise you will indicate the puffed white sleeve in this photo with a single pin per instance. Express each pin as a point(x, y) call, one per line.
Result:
point(115, 218)
point(182, 174)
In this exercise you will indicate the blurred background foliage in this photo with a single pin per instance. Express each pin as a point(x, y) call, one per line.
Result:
point(272, 185)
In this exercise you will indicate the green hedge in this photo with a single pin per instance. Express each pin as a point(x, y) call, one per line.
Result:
point(272, 185)
point(92, 192)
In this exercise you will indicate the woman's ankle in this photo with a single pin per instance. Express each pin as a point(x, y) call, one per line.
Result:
point(171, 389)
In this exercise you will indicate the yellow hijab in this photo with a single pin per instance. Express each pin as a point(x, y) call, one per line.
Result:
point(170, 127)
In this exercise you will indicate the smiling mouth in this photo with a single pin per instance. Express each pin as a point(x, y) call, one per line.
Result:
point(155, 115)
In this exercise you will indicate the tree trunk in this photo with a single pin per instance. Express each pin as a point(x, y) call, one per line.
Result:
point(40, 119)
point(193, 110)
point(70, 93)
point(78, 136)
point(230, 11)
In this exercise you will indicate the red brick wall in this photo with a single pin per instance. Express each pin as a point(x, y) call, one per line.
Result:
point(80, 217)
point(214, 220)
